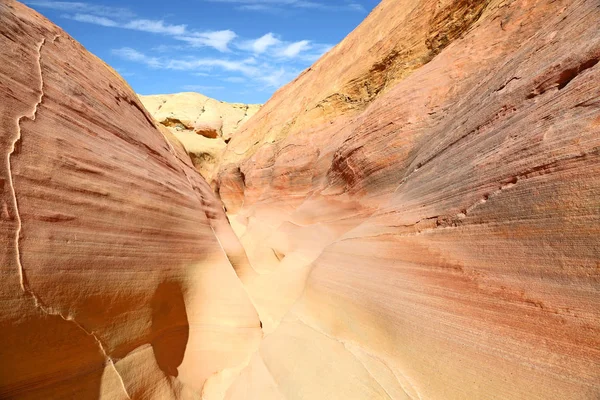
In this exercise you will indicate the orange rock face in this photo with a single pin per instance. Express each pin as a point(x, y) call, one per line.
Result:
point(422, 208)
point(414, 217)
point(114, 283)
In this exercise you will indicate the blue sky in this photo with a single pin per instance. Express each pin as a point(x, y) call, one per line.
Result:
point(232, 50)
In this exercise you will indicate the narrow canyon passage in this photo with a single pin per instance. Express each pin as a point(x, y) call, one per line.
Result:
point(107, 293)
point(436, 227)
point(413, 217)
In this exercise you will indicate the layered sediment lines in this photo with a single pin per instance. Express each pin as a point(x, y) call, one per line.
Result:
point(421, 209)
point(116, 279)
point(415, 217)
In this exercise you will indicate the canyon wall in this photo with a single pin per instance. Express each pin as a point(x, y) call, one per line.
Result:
point(421, 209)
point(416, 216)
point(116, 282)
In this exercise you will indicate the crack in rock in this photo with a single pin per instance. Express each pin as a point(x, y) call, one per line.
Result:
point(25, 287)
point(32, 116)
point(237, 125)
point(349, 344)
point(224, 251)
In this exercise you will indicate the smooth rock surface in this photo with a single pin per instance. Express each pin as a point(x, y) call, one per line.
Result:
point(421, 209)
point(193, 118)
point(116, 282)
point(414, 217)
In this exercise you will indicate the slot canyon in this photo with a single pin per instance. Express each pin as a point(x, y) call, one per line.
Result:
point(416, 216)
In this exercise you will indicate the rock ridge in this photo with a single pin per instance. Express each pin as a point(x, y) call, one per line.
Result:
point(203, 125)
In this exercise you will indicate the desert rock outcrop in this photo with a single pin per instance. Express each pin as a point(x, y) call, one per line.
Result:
point(203, 125)
point(422, 207)
point(116, 281)
point(414, 217)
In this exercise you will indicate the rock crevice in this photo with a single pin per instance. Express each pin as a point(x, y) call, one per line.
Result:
point(25, 286)
point(31, 116)
point(414, 217)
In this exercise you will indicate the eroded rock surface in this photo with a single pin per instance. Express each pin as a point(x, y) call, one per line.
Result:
point(421, 209)
point(203, 125)
point(417, 218)
point(116, 282)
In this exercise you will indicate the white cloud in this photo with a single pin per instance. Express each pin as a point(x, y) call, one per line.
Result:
point(261, 44)
point(275, 78)
point(316, 52)
point(242, 66)
point(293, 49)
point(201, 88)
point(82, 8)
point(217, 39)
point(165, 48)
point(155, 26)
point(235, 79)
point(265, 73)
point(143, 25)
point(259, 63)
point(94, 19)
point(115, 17)
point(271, 47)
point(258, 7)
point(281, 5)
point(130, 54)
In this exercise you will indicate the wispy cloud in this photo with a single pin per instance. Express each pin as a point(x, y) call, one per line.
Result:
point(144, 25)
point(269, 45)
point(82, 8)
point(356, 7)
point(245, 67)
point(261, 63)
point(117, 17)
point(130, 54)
point(123, 18)
point(292, 50)
point(95, 19)
point(125, 73)
point(235, 79)
point(264, 73)
point(281, 5)
point(217, 39)
point(260, 45)
point(155, 26)
point(271, 63)
point(202, 88)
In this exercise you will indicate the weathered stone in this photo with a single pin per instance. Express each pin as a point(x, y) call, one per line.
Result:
point(422, 207)
point(115, 275)
point(417, 218)
point(191, 114)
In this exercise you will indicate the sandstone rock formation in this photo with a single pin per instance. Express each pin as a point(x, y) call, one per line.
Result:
point(203, 125)
point(422, 207)
point(116, 282)
point(417, 218)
